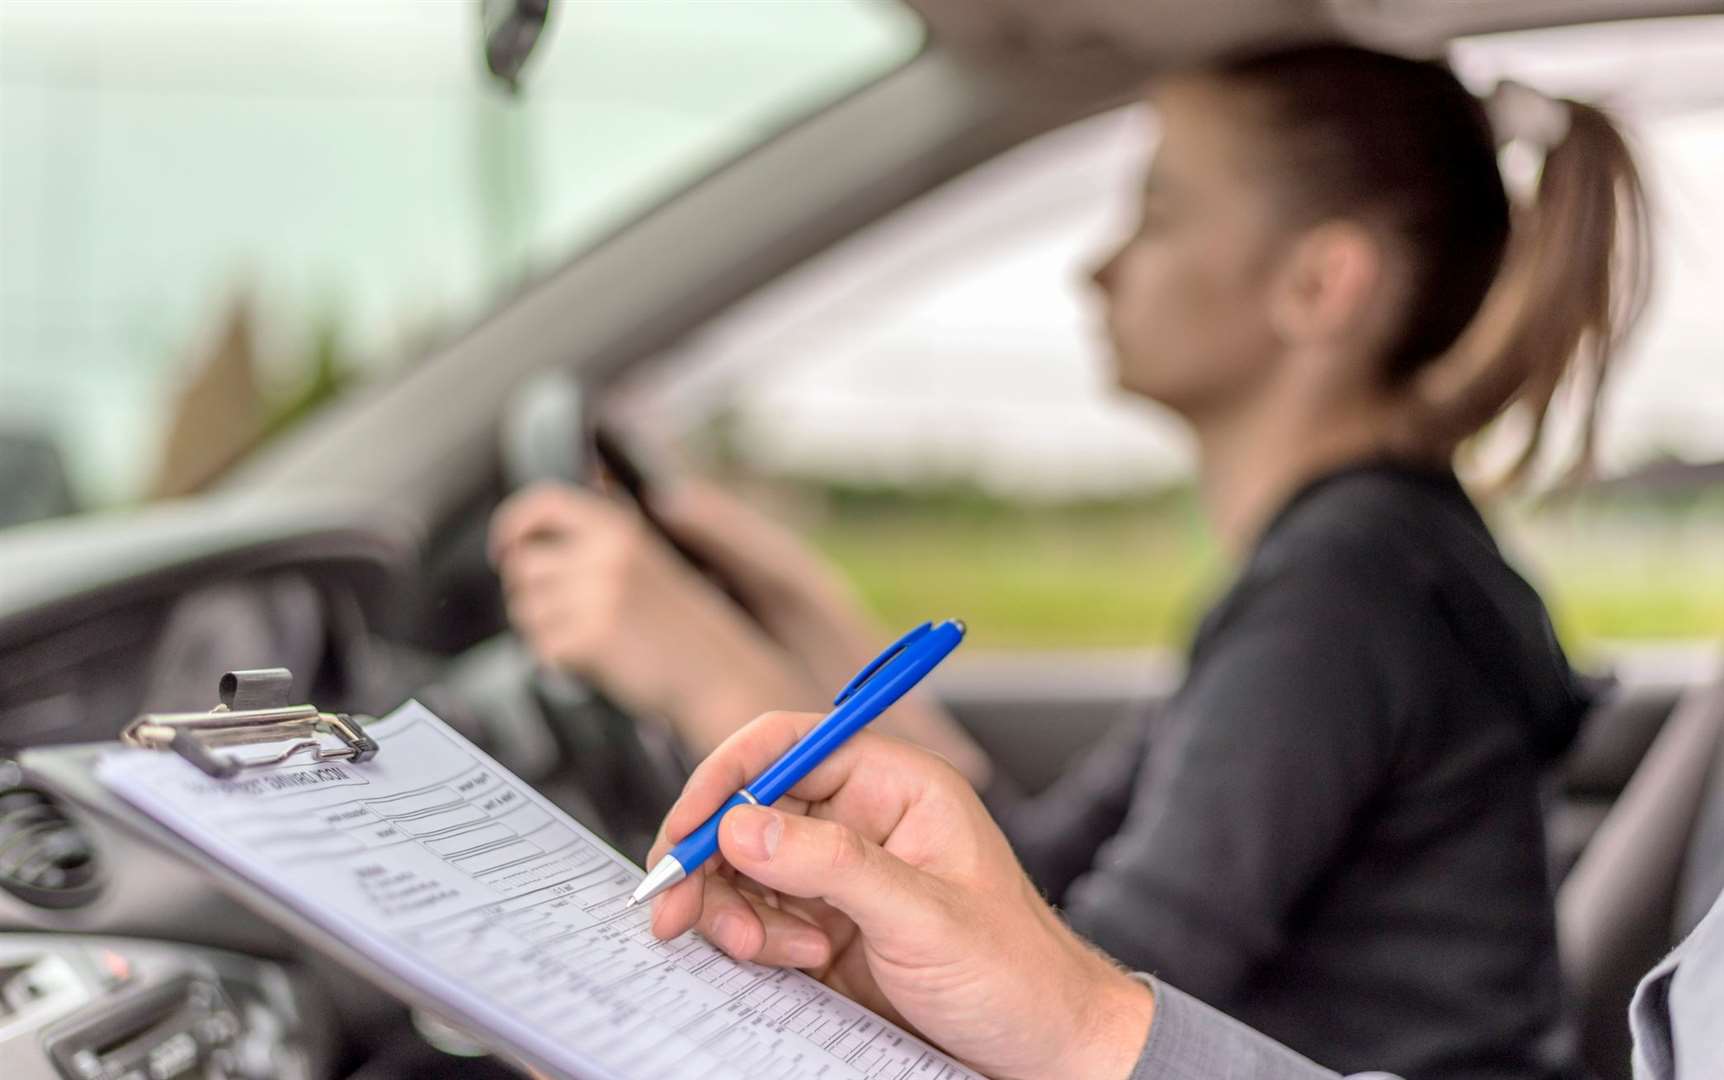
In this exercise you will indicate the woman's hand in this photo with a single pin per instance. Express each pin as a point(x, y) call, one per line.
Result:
point(591, 588)
point(803, 603)
point(882, 874)
point(808, 609)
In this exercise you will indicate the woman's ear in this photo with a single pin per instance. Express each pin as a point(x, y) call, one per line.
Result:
point(1327, 289)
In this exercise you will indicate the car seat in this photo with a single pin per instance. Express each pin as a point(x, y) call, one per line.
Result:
point(1617, 911)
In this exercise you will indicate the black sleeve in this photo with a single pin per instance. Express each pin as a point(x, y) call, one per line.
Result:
point(1057, 832)
point(1285, 727)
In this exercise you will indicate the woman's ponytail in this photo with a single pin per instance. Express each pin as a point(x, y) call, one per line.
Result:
point(1510, 301)
point(1573, 281)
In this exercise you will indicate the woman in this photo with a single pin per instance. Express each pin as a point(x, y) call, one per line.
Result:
point(1333, 830)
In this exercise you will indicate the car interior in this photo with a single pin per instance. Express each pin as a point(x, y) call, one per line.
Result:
point(351, 551)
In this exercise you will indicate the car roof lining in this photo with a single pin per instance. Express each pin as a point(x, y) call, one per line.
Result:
point(1173, 31)
point(1101, 50)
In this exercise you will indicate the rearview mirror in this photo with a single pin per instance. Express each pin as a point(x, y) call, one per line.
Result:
point(511, 28)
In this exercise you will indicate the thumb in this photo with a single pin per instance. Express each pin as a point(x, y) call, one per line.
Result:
point(824, 860)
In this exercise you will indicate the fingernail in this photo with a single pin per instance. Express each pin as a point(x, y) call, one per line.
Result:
point(806, 950)
point(756, 831)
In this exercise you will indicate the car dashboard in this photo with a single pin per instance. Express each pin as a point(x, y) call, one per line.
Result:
point(119, 960)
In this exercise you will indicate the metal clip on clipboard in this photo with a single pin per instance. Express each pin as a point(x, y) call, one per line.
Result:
point(254, 709)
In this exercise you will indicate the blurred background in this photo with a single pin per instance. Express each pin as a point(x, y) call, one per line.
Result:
point(929, 398)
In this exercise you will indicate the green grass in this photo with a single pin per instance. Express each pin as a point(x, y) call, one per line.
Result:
point(1128, 575)
point(1031, 584)
point(1654, 580)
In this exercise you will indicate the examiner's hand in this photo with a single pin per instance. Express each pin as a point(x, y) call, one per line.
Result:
point(591, 588)
point(883, 875)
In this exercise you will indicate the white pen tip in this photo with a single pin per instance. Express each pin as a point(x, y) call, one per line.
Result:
point(667, 873)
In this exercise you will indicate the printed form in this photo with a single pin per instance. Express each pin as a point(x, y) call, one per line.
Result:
point(437, 864)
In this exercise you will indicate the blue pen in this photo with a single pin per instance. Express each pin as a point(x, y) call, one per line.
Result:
point(874, 690)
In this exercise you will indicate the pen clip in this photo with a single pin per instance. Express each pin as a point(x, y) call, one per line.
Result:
point(879, 662)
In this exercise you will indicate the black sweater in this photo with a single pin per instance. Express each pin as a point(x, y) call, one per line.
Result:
point(1333, 830)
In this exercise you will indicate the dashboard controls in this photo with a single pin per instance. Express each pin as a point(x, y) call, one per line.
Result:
point(37, 987)
point(76, 1008)
point(157, 1033)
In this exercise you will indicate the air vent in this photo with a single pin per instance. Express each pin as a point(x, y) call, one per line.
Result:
point(45, 859)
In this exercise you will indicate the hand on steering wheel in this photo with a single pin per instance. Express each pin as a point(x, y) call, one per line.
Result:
point(593, 590)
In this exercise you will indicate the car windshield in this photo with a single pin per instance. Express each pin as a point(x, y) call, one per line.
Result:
point(216, 217)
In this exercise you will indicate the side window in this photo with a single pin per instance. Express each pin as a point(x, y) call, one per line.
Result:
point(1630, 565)
point(932, 400)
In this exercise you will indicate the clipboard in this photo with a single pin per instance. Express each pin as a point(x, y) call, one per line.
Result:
point(253, 707)
point(764, 1006)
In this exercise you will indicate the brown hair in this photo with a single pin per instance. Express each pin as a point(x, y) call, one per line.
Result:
point(1504, 302)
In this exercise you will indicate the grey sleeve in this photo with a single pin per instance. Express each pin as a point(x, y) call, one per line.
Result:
point(1649, 1019)
point(1675, 1011)
point(1188, 1040)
